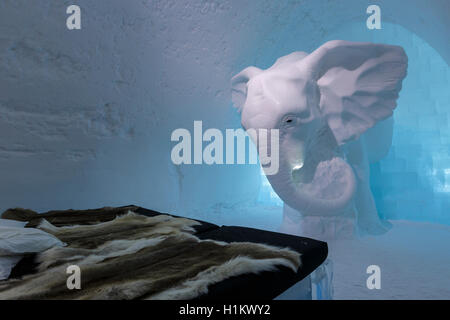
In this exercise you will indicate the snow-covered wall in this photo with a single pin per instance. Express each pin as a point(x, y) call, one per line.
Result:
point(86, 115)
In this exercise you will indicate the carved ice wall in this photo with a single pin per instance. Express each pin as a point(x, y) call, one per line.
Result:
point(86, 116)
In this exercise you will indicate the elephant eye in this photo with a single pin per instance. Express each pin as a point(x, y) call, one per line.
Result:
point(288, 121)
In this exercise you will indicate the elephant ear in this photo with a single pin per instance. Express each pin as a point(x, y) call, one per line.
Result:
point(239, 86)
point(359, 84)
point(289, 59)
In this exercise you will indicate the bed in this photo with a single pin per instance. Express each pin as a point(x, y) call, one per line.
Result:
point(278, 284)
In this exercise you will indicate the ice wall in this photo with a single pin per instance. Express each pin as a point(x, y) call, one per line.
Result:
point(413, 180)
point(86, 115)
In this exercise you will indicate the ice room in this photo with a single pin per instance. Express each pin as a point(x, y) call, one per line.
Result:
point(217, 149)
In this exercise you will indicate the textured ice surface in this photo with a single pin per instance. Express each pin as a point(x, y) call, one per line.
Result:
point(86, 115)
point(322, 281)
point(413, 181)
point(414, 259)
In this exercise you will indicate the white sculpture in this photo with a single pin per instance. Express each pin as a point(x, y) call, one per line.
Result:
point(333, 108)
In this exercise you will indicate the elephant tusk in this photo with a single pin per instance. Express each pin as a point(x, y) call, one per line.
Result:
point(296, 172)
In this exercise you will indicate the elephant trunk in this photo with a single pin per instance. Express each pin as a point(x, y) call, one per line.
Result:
point(313, 178)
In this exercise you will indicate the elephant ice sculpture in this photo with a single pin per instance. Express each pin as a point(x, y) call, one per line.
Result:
point(333, 109)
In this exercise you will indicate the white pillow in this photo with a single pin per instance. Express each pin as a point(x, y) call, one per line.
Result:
point(19, 240)
point(6, 265)
point(12, 223)
point(15, 241)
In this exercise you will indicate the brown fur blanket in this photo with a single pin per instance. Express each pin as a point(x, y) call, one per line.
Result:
point(138, 257)
point(70, 217)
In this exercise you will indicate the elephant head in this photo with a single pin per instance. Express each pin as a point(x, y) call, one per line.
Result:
point(319, 103)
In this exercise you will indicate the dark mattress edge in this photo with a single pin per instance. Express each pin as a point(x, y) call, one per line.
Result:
point(265, 285)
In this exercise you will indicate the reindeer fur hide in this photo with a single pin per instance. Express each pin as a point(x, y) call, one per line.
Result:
point(139, 257)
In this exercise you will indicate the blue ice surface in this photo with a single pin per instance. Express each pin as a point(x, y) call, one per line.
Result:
point(413, 181)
